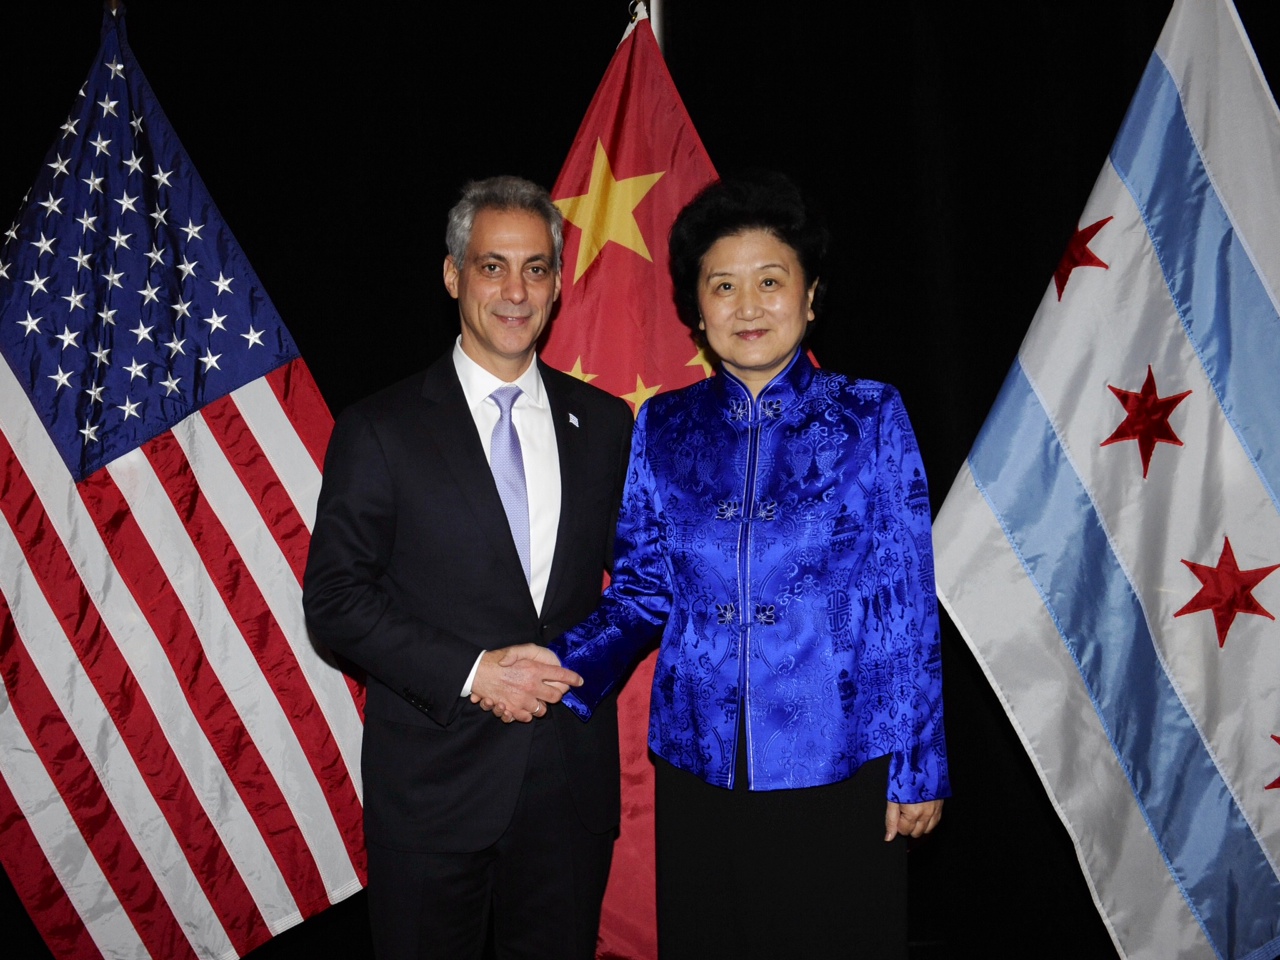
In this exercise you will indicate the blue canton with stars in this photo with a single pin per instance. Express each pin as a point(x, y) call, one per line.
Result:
point(125, 302)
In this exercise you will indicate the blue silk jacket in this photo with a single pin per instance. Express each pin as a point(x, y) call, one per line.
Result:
point(780, 545)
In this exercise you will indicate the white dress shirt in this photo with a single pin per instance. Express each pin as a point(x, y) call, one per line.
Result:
point(536, 430)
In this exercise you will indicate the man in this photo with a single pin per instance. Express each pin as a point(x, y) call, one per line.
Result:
point(459, 515)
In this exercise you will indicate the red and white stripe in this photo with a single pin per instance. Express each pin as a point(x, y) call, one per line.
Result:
point(180, 766)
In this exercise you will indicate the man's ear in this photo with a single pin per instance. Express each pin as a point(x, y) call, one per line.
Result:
point(451, 277)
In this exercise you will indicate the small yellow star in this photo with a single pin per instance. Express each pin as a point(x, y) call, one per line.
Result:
point(641, 394)
point(606, 212)
point(577, 371)
point(700, 359)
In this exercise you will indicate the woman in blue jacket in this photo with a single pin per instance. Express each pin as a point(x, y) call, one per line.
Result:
point(774, 533)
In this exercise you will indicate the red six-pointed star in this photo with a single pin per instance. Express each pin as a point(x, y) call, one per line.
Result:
point(1078, 254)
point(1147, 418)
point(1226, 590)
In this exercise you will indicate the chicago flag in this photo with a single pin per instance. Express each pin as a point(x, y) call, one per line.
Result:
point(1109, 548)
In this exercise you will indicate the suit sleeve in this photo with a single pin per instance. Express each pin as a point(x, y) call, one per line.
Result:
point(635, 607)
point(906, 609)
point(345, 597)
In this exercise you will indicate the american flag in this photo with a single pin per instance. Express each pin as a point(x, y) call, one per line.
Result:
point(179, 767)
point(1110, 549)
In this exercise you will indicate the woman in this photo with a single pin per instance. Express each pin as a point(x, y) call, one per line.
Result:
point(775, 533)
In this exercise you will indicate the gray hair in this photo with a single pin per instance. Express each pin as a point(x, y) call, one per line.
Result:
point(500, 193)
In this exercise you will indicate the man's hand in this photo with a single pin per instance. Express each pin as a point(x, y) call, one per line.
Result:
point(911, 819)
point(518, 682)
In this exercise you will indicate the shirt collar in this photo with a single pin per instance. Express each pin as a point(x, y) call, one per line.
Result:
point(478, 383)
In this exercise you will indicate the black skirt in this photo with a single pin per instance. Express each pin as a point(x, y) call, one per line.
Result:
point(779, 873)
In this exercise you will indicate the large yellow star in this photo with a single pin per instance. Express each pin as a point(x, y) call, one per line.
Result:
point(700, 359)
point(641, 394)
point(606, 212)
point(577, 371)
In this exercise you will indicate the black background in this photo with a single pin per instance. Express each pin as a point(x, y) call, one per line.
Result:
point(953, 146)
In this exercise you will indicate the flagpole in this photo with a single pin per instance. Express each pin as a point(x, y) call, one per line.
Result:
point(656, 21)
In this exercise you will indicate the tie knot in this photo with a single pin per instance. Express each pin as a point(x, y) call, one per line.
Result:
point(505, 398)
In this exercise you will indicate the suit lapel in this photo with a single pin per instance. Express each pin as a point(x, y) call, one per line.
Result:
point(572, 446)
point(451, 427)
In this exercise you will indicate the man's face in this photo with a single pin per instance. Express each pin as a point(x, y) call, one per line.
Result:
point(505, 289)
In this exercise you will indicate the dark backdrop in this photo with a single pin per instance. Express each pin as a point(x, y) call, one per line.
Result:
point(953, 145)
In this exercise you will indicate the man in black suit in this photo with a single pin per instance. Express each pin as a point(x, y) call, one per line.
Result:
point(440, 535)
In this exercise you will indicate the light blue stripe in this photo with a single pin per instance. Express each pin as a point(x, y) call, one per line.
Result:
point(1022, 470)
point(1221, 300)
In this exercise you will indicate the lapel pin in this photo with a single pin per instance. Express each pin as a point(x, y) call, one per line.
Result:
point(573, 419)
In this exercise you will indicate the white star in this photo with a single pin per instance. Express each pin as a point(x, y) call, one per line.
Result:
point(95, 393)
point(120, 239)
point(81, 259)
point(69, 128)
point(51, 205)
point(108, 107)
point(156, 255)
point(210, 361)
point(12, 232)
point(36, 283)
point(4, 270)
point(182, 307)
point(192, 231)
point(170, 385)
point(214, 320)
point(187, 267)
point(101, 145)
point(134, 163)
point(136, 123)
point(130, 408)
point(101, 355)
point(136, 369)
point(90, 433)
point(149, 293)
point(76, 300)
point(142, 332)
point(59, 167)
point(87, 223)
point(161, 177)
point(126, 203)
point(62, 378)
point(158, 215)
point(253, 336)
point(117, 69)
point(95, 184)
point(32, 324)
point(222, 283)
point(113, 279)
point(107, 316)
point(45, 246)
point(68, 337)
point(80, 92)
point(174, 345)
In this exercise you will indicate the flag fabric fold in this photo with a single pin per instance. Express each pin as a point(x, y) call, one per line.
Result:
point(634, 164)
point(1119, 595)
point(180, 769)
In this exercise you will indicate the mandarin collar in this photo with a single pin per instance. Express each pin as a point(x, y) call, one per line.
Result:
point(790, 384)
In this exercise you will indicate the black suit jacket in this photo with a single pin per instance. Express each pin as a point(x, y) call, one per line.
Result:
point(413, 571)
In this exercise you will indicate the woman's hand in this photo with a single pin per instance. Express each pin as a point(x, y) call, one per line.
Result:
point(911, 819)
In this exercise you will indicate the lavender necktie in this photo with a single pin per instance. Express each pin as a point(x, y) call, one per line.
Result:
point(507, 464)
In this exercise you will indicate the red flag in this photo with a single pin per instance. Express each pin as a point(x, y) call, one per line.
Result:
point(635, 162)
point(179, 769)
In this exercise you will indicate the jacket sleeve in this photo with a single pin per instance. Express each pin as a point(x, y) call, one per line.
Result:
point(347, 605)
point(907, 609)
point(635, 607)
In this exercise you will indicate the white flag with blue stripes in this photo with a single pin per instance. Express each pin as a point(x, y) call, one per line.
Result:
point(1108, 548)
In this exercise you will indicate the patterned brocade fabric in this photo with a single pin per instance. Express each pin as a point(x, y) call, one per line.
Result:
point(780, 545)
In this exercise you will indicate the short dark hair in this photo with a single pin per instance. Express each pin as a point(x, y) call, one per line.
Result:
point(754, 201)
point(500, 193)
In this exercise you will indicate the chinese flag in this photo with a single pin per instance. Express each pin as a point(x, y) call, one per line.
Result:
point(635, 162)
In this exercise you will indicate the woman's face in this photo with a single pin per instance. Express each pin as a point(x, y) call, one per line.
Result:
point(755, 304)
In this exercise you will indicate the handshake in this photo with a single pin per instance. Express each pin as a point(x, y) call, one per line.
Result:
point(517, 683)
